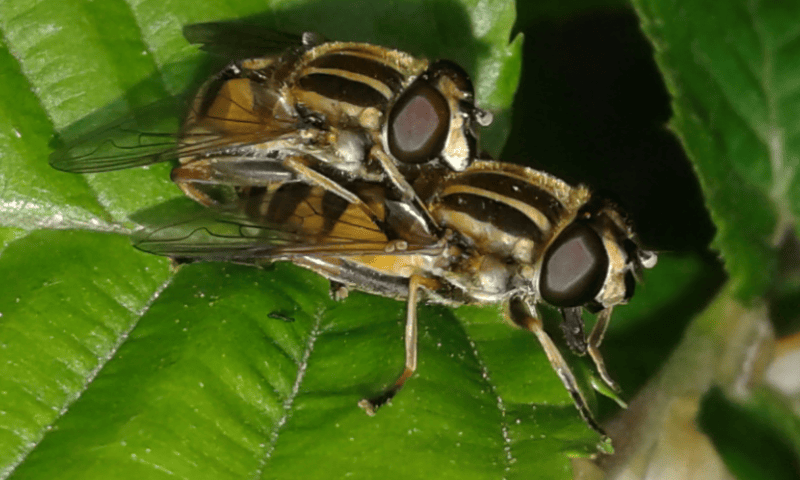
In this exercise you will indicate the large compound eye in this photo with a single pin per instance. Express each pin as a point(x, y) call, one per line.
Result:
point(574, 267)
point(418, 124)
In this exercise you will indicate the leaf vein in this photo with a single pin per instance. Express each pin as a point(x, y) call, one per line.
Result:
point(501, 407)
point(288, 404)
point(33, 444)
point(782, 172)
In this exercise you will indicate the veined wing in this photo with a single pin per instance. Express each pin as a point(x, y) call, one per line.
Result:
point(239, 40)
point(154, 134)
point(294, 219)
point(144, 137)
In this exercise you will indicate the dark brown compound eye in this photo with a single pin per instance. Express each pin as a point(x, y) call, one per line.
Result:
point(574, 267)
point(418, 124)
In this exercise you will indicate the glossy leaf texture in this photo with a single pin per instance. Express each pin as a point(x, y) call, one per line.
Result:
point(116, 365)
point(732, 71)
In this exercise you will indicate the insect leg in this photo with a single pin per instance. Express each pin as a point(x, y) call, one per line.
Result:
point(188, 179)
point(595, 339)
point(199, 176)
point(523, 315)
point(399, 182)
point(316, 178)
point(372, 404)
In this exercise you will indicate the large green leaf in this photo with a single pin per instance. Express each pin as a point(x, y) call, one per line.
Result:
point(116, 366)
point(732, 71)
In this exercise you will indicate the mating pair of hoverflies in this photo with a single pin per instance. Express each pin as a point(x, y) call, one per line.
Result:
point(360, 163)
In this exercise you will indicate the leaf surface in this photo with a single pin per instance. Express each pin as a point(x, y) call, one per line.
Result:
point(732, 71)
point(119, 367)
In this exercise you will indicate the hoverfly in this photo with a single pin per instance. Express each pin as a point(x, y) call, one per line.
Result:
point(303, 108)
point(511, 234)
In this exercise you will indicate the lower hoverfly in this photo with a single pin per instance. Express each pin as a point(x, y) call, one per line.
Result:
point(510, 234)
point(298, 106)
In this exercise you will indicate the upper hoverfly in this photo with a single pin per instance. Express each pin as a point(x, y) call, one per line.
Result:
point(510, 234)
point(297, 106)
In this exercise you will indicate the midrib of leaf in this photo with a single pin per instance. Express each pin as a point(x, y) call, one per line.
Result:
point(32, 443)
point(783, 172)
point(288, 403)
point(508, 451)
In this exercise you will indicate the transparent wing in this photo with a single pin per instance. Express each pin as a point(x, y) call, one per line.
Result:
point(142, 138)
point(317, 223)
point(236, 238)
point(240, 40)
point(154, 134)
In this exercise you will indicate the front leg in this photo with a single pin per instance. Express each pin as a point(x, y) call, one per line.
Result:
point(595, 339)
point(401, 185)
point(522, 314)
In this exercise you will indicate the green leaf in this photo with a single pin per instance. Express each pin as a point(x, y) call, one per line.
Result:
point(68, 310)
point(117, 367)
point(732, 71)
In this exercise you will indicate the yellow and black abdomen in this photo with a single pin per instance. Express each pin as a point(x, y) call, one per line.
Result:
point(505, 210)
point(352, 84)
